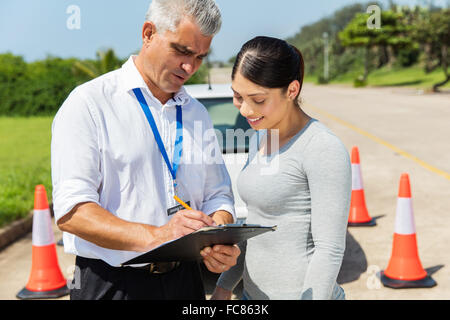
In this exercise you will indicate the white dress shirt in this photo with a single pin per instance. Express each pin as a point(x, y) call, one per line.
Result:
point(103, 151)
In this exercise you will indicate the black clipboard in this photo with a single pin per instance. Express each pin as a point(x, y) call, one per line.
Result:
point(188, 248)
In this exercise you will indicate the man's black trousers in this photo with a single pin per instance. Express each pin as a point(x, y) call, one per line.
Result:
point(97, 280)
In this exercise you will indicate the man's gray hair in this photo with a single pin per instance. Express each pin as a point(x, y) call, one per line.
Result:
point(167, 14)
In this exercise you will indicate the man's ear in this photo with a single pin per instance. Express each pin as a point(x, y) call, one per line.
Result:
point(148, 31)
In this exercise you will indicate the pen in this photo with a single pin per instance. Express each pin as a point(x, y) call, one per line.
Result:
point(182, 203)
point(186, 206)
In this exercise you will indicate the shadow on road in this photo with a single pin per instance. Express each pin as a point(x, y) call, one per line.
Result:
point(402, 84)
point(431, 270)
point(354, 263)
point(378, 217)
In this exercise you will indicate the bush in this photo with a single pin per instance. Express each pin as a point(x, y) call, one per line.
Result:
point(201, 76)
point(359, 82)
point(40, 88)
point(321, 80)
point(407, 57)
point(37, 88)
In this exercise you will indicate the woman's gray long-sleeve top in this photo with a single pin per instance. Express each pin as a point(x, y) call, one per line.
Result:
point(305, 190)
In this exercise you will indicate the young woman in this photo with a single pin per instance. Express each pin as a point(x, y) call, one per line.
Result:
point(303, 185)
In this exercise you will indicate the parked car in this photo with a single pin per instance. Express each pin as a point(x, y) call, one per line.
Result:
point(232, 129)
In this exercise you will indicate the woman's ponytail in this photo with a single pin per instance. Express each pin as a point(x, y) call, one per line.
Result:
point(301, 73)
point(301, 70)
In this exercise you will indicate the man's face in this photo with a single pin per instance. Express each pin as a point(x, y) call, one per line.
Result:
point(170, 59)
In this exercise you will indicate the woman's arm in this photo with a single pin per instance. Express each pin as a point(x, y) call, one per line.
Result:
point(230, 279)
point(328, 168)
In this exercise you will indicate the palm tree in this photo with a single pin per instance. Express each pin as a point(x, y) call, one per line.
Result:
point(106, 61)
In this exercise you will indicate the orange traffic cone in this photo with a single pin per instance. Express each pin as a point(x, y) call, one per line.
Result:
point(359, 216)
point(46, 279)
point(404, 269)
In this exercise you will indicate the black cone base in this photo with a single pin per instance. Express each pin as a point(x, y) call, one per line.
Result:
point(370, 223)
point(426, 282)
point(53, 294)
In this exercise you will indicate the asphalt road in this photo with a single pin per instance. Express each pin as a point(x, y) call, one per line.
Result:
point(396, 130)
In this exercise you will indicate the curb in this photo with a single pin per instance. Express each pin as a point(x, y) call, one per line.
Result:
point(17, 229)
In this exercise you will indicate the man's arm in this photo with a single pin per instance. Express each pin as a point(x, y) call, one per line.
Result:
point(92, 223)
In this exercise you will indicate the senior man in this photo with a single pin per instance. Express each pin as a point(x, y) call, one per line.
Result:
point(122, 147)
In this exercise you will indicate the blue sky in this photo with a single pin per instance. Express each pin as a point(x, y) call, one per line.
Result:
point(35, 29)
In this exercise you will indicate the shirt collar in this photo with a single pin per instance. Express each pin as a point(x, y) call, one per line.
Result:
point(132, 79)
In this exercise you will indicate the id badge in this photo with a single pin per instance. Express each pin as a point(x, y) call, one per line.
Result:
point(173, 210)
point(181, 191)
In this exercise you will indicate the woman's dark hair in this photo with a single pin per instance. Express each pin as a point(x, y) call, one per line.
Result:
point(270, 63)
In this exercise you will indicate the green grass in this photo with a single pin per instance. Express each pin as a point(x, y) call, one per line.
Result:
point(412, 77)
point(409, 77)
point(24, 163)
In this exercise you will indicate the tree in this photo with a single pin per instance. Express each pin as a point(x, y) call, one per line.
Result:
point(106, 61)
point(393, 34)
point(232, 60)
point(441, 25)
point(432, 30)
point(309, 40)
point(203, 73)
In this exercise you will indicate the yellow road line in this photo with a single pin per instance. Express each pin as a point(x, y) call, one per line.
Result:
point(422, 163)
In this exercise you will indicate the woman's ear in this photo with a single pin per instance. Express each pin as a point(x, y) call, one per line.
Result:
point(293, 90)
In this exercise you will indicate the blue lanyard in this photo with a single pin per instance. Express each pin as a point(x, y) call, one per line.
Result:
point(178, 150)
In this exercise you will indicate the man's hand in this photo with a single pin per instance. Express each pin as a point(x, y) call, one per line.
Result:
point(183, 223)
point(220, 258)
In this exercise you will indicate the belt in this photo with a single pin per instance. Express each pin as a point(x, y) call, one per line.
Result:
point(159, 267)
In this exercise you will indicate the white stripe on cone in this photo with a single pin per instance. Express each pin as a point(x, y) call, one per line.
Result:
point(357, 183)
point(404, 218)
point(42, 228)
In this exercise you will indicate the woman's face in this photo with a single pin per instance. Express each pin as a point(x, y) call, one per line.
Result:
point(264, 108)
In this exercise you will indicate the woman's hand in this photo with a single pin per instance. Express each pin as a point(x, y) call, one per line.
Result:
point(221, 294)
point(222, 217)
point(220, 258)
